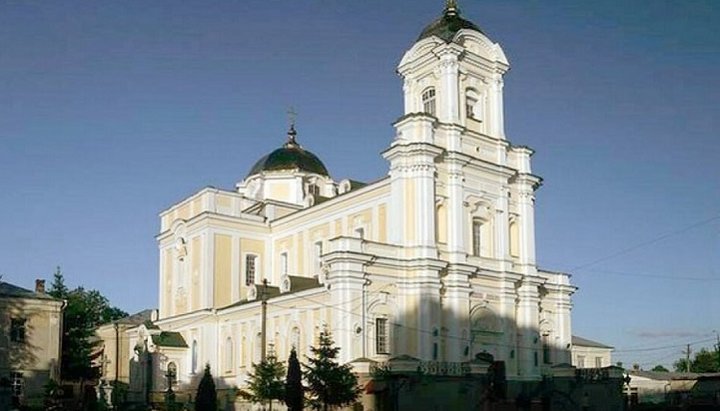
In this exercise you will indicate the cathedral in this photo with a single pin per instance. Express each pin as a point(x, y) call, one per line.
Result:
point(435, 262)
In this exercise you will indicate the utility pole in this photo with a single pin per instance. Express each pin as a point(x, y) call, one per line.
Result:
point(687, 358)
point(263, 334)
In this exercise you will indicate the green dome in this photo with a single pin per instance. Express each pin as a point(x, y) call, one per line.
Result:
point(446, 26)
point(290, 157)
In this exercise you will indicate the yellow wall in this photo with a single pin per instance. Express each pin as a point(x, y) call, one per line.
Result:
point(382, 223)
point(279, 192)
point(410, 211)
point(167, 282)
point(223, 252)
point(196, 263)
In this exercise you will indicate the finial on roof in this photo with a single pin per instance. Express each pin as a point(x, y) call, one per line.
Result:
point(451, 7)
point(292, 133)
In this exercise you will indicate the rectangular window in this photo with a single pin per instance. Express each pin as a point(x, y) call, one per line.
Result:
point(381, 336)
point(581, 361)
point(17, 330)
point(477, 236)
point(18, 384)
point(250, 263)
point(598, 362)
point(283, 263)
point(318, 249)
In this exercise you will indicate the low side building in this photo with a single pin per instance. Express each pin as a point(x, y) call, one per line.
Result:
point(115, 346)
point(590, 354)
point(30, 338)
point(675, 388)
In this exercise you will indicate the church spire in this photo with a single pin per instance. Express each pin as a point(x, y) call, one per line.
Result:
point(292, 133)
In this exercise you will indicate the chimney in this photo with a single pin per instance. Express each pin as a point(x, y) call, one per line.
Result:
point(40, 286)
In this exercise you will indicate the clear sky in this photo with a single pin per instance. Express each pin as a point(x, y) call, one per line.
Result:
point(111, 111)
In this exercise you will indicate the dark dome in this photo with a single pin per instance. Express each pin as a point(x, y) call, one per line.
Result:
point(290, 157)
point(447, 25)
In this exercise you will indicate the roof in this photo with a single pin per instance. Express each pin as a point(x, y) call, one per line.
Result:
point(137, 318)
point(291, 156)
point(446, 26)
point(10, 290)
point(588, 343)
point(169, 339)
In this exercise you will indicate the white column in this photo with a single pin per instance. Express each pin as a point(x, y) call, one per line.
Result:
point(527, 322)
point(526, 208)
point(449, 110)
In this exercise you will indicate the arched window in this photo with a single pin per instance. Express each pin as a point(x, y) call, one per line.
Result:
point(194, 357)
point(428, 101)
point(172, 372)
point(295, 338)
point(317, 255)
point(477, 236)
point(514, 238)
point(228, 354)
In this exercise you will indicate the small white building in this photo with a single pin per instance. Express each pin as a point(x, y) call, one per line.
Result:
point(590, 354)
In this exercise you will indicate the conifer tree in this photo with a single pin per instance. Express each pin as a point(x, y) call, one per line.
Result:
point(294, 397)
point(330, 384)
point(206, 399)
point(265, 382)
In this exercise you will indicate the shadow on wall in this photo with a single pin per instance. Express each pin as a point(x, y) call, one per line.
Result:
point(483, 361)
point(22, 377)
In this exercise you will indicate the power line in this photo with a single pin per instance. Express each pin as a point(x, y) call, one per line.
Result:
point(668, 277)
point(647, 243)
point(664, 347)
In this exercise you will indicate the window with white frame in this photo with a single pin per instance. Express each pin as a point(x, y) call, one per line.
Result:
point(581, 361)
point(17, 330)
point(250, 268)
point(284, 263)
point(172, 372)
point(382, 336)
point(314, 190)
point(229, 354)
point(17, 384)
point(194, 357)
point(428, 101)
point(477, 231)
point(598, 362)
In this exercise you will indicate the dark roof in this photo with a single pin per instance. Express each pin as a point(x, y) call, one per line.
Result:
point(169, 339)
point(10, 290)
point(588, 343)
point(298, 283)
point(446, 26)
point(291, 156)
point(137, 318)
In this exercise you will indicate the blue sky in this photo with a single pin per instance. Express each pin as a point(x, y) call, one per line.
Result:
point(112, 111)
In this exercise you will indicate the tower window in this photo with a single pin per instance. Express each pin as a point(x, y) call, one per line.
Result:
point(314, 190)
point(250, 266)
point(428, 101)
point(382, 345)
point(477, 228)
point(18, 384)
point(471, 100)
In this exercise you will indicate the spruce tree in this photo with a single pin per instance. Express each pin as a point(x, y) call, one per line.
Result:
point(265, 383)
point(294, 397)
point(330, 384)
point(206, 399)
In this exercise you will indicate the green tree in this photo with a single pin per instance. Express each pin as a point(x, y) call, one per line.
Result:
point(704, 361)
point(330, 384)
point(84, 312)
point(206, 399)
point(265, 382)
point(294, 396)
point(659, 368)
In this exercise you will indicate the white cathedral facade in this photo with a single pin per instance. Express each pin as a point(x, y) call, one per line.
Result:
point(436, 261)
